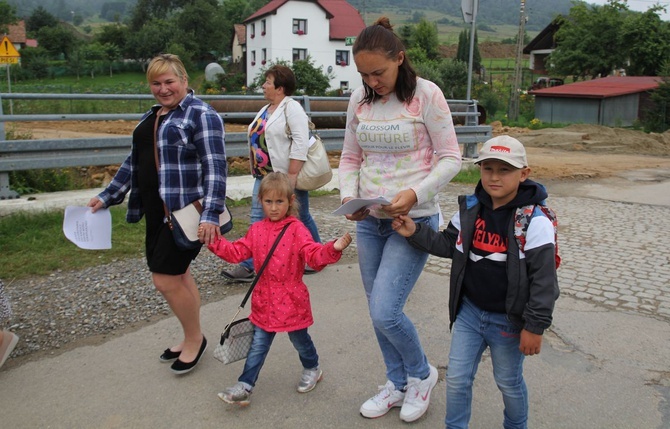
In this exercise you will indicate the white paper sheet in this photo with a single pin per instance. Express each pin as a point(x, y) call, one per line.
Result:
point(356, 204)
point(91, 231)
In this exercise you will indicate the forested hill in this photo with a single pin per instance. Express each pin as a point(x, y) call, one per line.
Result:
point(492, 12)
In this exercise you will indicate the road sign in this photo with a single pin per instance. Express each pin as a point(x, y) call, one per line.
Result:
point(349, 41)
point(469, 9)
point(8, 53)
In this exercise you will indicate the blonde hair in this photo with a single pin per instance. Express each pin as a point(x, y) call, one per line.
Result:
point(166, 63)
point(278, 182)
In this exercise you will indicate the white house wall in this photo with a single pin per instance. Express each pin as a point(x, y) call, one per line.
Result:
point(279, 41)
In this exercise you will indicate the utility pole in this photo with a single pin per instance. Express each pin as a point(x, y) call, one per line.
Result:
point(513, 113)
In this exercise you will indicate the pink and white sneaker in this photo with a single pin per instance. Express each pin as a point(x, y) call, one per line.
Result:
point(380, 404)
point(417, 396)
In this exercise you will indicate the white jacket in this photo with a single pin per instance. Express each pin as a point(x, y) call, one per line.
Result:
point(280, 148)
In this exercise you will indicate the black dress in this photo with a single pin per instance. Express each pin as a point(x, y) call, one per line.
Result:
point(163, 255)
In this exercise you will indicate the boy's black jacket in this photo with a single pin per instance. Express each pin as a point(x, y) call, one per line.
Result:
point(532, 284)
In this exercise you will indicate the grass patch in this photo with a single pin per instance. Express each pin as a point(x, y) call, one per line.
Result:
point(467, 175)
point(33, 244)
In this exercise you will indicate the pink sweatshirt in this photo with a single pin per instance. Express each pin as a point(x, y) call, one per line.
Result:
point(390, 146)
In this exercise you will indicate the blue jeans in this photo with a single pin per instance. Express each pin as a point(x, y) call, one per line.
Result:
point(257, 214)
point(474, 331)
point(260, 346)
point(390, 268)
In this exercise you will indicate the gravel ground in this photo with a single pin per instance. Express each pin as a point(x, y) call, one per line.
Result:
point(55, 313)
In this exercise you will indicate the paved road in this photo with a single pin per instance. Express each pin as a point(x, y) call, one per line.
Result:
point(604, 363)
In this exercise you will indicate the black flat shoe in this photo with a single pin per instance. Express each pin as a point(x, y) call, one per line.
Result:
point(179, 367)
point(168, 356)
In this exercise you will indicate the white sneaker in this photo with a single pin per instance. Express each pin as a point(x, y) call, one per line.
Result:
point(417, 396)
point(238, 394)
point(380, 404)
point(309, 379)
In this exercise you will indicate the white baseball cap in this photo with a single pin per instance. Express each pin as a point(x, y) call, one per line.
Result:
point(504, 148)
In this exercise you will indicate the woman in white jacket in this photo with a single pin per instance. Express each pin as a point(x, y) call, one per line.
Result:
point(271, 150)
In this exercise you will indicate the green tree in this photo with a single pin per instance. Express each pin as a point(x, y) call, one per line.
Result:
point(425, 67)
point(235, 12)
point(38, 19)
point(204, 21)
point(590, 40)
point(76, 62)
point(476, 56)
point(113, 11)
point(146, 11)
point(94, 57)
point(183, 54)
point(311, 80)
point(58, 40)
point(406, 34)
point(425, 36)
point(657, 118)
point(111, 53)
point(112, 34)
point(646, 40)
point(463, 50)
point(151, 39)
point(7, 16)
point(34, 62)
point(455, 78)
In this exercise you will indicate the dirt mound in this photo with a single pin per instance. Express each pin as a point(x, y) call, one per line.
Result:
point(591, 138)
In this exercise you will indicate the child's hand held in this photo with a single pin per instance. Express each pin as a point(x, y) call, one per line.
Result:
point(404, 225)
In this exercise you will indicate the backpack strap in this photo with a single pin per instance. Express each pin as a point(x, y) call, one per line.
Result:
point(522, 218)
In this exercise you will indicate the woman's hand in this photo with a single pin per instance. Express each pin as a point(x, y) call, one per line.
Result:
point(401, 204)
point(358, 215)
point(404, 225)
point(208, 233)
point(294, 167)
point(95, 204)
point(343, 242)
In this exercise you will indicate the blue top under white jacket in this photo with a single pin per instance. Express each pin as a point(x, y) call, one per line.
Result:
point(192, 160)
point(529, 282)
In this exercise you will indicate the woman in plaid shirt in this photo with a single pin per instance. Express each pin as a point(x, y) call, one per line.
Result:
point(177, 157)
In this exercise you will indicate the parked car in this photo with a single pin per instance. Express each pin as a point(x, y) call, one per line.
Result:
point(545, 82)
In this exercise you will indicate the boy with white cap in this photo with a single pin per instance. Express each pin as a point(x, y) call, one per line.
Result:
point(502, 293)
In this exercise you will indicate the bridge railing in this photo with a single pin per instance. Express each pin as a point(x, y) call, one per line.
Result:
point(18, 155)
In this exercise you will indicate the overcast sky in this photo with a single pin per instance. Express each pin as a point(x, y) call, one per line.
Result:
point(642, 5)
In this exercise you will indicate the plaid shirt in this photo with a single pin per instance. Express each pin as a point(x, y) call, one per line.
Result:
point(192, 159)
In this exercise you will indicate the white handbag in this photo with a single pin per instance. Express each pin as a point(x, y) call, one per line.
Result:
point(316, 171)
point(184, 224)
point(235, 341)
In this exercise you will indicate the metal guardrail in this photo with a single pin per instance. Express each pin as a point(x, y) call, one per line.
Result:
point(17, 155)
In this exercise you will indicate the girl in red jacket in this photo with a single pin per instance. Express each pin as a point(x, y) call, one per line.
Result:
point(280, 301)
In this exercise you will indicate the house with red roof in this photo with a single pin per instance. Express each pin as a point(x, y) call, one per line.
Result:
point(16, 33)
point(611, 101)
point(292, 30)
